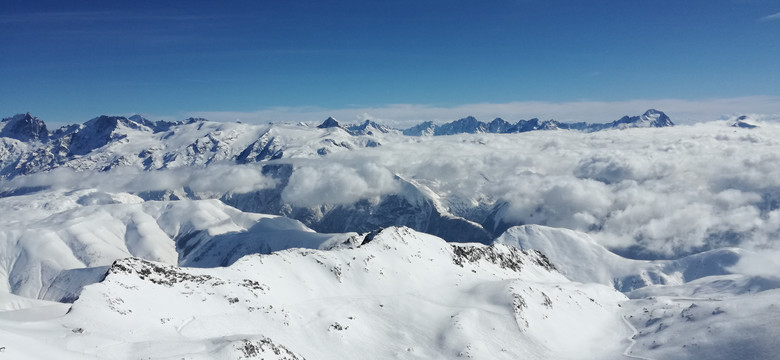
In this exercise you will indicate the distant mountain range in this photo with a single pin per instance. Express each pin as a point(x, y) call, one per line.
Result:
point(105, 143)
point(470, 125)
point(26, 127)
point(206, 240)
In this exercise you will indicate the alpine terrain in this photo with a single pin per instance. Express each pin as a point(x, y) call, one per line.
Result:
point(129, 238)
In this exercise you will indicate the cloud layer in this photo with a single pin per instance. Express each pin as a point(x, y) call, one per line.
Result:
point(323, 182)
point(217, 179)
point(665, 192)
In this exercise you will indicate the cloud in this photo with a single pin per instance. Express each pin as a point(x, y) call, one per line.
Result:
point(219, 179)
point(329, 183)
point(667, 192)
point(407, 115)
point(770, 17)
point(765, 263)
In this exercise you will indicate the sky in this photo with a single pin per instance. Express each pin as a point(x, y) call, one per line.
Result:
point(259, 61)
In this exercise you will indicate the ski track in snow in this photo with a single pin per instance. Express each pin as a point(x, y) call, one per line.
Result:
point(627, 352)
point(184, 324)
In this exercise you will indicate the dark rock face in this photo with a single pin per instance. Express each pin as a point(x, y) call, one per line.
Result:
point(329, 123)
point(24, 127)
point(507, 257)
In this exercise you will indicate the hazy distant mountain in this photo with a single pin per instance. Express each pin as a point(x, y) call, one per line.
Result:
point(470, 125)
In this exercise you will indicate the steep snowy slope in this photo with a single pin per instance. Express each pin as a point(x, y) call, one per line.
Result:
point(581, 259)
point(400, 294)
point(49, 239)
point(717, 317)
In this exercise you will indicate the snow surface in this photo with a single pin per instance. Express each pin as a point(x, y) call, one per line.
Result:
point(403, 294)
point(49, 232)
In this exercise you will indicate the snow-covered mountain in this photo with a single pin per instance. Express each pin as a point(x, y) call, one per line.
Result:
point(105, 142)
point(581, 259)
point(56, 242)
point(24, 127)
point(130, 238)
point(394, 293)
point(466, 187)
point(470, 125)
point(397, 294)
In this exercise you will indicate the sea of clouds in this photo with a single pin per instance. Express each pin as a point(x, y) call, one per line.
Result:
point(667, 191)
point(663, 192)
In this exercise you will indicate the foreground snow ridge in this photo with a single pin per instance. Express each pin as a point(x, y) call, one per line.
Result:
point(397, 294)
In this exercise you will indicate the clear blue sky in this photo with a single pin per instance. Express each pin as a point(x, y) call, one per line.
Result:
point(68, 61)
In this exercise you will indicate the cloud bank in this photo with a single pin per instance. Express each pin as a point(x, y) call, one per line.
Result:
point(218, 178)
point(662, 192)
point(665, 191)
point(337, 183)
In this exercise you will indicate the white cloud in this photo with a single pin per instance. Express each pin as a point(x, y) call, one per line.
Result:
point(770, 17)
point(765, 263)
point(669, 191)
point(406, 115)
point(337, 183)
point(214, 179)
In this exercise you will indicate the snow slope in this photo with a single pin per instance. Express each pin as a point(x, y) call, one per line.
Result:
point(50, 239)
point(398, 294)
point(582, 259)
point(134, 212)
point(717, 317)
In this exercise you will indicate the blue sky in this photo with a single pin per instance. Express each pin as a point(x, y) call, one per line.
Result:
point(69, 61)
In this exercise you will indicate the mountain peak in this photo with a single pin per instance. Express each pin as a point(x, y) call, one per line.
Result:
point(651, 118)
point(329, 123)
point(745, 122)
point(24, 127)
point(656, 118)
point(467, 124)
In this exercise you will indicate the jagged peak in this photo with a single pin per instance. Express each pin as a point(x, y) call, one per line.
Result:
point(329, 123)
point(24, 127)
point(18, 117)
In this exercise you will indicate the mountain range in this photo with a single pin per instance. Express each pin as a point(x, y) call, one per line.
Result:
point(126, 238)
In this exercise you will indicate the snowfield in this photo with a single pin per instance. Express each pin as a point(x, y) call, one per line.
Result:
point(123, 238)
point(398, 294)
